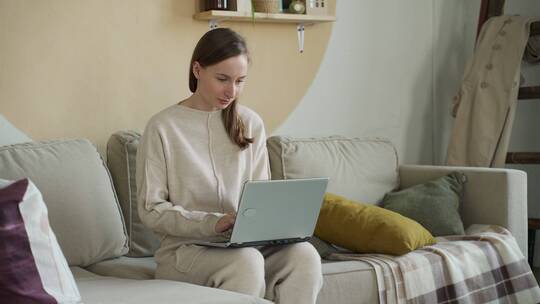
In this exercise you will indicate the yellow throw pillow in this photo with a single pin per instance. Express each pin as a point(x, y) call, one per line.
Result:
point(367, 228)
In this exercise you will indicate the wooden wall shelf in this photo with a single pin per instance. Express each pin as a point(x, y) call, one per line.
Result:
point(262, 17)
point(216, 16)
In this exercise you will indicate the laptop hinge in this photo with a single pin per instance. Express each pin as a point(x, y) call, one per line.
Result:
point(270, 242)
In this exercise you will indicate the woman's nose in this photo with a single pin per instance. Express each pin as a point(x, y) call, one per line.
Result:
point(230, 90)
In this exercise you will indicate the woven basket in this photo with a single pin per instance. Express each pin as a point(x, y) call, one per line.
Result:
point(267, 6)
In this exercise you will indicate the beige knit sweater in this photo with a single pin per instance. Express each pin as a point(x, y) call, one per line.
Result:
point(189, 173)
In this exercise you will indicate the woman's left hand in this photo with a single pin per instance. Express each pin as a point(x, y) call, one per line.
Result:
point(225, 223)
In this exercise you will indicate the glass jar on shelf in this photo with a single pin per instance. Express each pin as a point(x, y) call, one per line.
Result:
point(222, 5)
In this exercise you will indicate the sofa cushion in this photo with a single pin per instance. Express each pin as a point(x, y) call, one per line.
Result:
point(366, 228)
point(121, 158)
point(359, 169)
point(32, 266)
point(140, 268)
point(107, 290)
point(348, 282)
point(434, 204)
point(78, 192)
point(345, 282)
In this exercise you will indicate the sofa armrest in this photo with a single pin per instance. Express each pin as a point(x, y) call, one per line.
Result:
point(491, 196)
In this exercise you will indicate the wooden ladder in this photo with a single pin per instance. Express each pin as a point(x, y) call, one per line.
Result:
point(488, 9)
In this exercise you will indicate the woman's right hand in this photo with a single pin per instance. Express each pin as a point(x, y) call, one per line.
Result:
point(225, 223)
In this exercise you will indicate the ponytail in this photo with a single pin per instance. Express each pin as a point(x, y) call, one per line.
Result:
point(235, 126)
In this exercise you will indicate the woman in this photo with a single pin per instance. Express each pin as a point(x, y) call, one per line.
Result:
point(192, 161)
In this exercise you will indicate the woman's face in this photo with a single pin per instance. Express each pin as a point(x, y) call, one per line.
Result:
point(220, 84)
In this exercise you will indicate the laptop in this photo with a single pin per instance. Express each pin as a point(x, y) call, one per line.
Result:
point(275, 212)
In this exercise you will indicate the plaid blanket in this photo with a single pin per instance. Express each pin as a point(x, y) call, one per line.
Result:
point(483, 266)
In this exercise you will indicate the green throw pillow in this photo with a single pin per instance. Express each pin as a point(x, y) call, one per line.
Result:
point(435, 204)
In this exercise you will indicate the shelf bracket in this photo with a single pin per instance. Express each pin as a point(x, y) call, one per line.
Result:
point(300, 33)
point(213, 24)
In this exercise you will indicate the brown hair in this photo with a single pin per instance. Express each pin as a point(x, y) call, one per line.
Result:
point(215, 46)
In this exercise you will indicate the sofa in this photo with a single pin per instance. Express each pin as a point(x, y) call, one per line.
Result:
point(92, 209)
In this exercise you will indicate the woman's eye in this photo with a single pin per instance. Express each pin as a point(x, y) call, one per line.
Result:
point(222, 79)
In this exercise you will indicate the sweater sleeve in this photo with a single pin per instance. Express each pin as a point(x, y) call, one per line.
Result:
point(155, 210)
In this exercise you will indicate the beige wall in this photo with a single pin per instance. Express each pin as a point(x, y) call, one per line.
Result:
point(78, 68)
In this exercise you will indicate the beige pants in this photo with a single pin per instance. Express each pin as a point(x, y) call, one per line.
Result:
point(283, 274)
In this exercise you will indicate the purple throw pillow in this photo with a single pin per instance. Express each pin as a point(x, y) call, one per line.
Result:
point(33, 268)
point(20, 281)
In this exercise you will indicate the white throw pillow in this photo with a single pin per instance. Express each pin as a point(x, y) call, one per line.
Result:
point(38, 272)
point(10, 135)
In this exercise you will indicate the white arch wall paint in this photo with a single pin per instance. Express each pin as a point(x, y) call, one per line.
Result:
point(456, 24)
point(387, 67)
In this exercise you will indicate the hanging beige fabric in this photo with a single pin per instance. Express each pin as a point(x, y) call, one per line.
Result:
point(485, 105)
